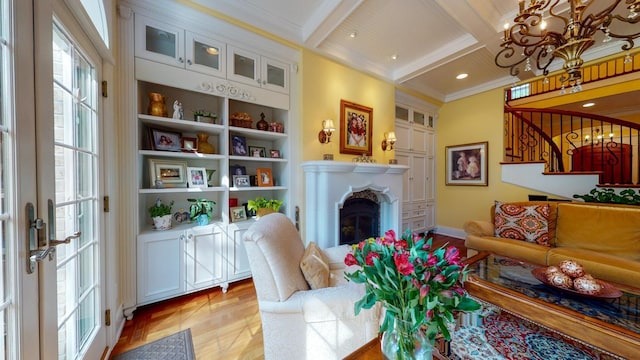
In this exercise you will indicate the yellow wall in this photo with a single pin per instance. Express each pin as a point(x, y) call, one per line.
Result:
point(472, 119)
point(324, 84)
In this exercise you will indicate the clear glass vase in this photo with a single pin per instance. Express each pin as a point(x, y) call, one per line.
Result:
point(404, 343)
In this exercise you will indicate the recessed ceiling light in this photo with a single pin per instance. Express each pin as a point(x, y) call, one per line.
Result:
point(462, 76)
point(394, 57)
point(353, 34)
point(588, 105)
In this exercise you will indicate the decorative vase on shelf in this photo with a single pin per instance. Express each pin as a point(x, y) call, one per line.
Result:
point(203, 144)
point(162, 222)
point(203, 219)
point(262, 124)
point(402, 342)
point(157, 105)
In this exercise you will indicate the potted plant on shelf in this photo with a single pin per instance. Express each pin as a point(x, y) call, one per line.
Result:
point(263, 206)
point(204, 116)
point(201, 210)
point(161, 215)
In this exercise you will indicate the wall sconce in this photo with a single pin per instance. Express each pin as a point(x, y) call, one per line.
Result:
point(327, 130)
point(389, 141)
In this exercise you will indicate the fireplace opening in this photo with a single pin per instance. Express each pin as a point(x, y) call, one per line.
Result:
point(359, 218)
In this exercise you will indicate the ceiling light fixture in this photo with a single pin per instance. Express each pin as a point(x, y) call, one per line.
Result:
point(536, 39)
point(462, 76)
point(353, 34)
point(589, 104)
point(394, 57)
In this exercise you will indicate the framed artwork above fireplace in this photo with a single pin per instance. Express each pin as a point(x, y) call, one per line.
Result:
point(356, 127)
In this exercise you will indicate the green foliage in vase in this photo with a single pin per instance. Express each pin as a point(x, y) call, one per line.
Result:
point(627, 196)
point(159, 209)
point(200, 207)
point(204, 113)
point(261, 202)
point(415, 284)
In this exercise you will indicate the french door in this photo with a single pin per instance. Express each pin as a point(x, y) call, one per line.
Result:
point(59, 281)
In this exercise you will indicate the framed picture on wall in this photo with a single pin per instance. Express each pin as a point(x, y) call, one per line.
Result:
point(467, 164)
point(356, 128)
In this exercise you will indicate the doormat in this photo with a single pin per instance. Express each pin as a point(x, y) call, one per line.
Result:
point(173, 347)
point(504, 336)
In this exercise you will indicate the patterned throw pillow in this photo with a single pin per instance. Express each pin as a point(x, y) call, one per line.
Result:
point(528, 223)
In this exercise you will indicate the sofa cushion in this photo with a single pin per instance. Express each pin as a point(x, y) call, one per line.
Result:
point(600, 228)
point(517, 249)
point(528, 223)
point(315, 267)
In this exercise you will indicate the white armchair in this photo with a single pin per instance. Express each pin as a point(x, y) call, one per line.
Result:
point(299, 323)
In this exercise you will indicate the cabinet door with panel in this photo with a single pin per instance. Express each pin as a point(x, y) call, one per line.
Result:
point(160, 273)
point(158, 41)
point(253, 69)
point(171, 45)
point(204, 248)
point(236, 253)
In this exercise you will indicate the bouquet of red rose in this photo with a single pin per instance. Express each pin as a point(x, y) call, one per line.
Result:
point(414, 284)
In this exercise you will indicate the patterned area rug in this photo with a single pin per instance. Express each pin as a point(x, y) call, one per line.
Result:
point(503, 336)
point(173, 347)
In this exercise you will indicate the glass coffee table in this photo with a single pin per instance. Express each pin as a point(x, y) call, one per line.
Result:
point(610, 324)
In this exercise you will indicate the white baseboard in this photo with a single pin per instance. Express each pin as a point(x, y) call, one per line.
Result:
point(449, 231)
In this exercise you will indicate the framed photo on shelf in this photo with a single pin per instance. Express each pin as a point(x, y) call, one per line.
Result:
point(238, 145)
point(197, 177)
point(165, 140)
point(238, 214)
point(189, 144)
point(167, 173)
point(356, 128)
point(241, 181)
point(275, 154)
point(257, 151)
point(467, 164)
point(237, 170)
point(265, 177)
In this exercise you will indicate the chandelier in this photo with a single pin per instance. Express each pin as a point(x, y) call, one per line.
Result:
point(542, 34)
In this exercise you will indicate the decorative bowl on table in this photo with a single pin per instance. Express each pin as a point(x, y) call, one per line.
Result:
point(570, 276)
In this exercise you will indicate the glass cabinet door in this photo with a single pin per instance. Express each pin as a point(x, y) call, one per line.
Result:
point(244, 66)
point(159, 42)
point(275, 75)
point(205, 55)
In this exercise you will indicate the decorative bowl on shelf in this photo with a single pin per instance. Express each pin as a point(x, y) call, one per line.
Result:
point(607, 291)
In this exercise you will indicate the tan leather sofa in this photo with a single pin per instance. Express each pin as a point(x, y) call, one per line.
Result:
point(605, 239)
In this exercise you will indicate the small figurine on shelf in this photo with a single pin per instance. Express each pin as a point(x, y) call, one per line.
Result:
point(177, 110)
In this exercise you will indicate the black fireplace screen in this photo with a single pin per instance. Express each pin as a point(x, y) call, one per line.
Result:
point(359, 220)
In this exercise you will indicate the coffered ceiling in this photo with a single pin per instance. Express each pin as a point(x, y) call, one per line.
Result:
point(432, 40)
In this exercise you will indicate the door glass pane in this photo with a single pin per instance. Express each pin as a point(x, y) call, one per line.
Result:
point(402, 113)
point(244, 66)
point(160, 41)
point(275, 75)
point(76, 198)
point(206, 55)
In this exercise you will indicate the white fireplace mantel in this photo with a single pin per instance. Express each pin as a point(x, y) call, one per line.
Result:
point(329, 183)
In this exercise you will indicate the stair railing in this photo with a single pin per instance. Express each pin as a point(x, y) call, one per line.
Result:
point(568, 141)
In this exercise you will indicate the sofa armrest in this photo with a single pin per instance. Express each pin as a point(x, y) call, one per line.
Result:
point(479, 228)
point(326, 304)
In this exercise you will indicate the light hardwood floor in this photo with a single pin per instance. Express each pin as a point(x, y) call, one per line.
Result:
point(223, 326)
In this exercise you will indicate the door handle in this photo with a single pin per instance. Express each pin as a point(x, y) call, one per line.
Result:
point(66, 240)
point(41, 245)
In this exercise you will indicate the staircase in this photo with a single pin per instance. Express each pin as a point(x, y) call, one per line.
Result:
point(566, 153)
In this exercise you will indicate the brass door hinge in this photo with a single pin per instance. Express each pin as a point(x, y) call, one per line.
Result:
point(107, 317)
point(105, 87)
point(105, 206)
